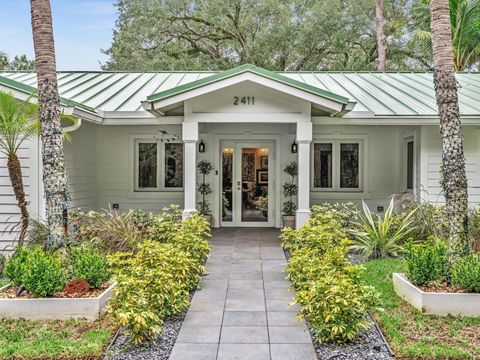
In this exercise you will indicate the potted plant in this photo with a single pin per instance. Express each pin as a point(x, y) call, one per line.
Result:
point(204, 168)
point(289, 192)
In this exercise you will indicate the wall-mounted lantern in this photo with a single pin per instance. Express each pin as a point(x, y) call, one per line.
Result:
point(294, 147)
point(201, 147)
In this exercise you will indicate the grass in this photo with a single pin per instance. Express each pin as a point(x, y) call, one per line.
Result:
point(416, 336)
point(72, 339)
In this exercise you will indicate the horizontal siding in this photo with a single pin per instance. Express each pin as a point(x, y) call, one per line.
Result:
point(116, 173)
point(382, 167)
point(432, 150)
point(81, 164)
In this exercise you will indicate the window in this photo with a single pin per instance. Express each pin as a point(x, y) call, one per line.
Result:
point(410, 164)
point(155, 160)
point(337, 165)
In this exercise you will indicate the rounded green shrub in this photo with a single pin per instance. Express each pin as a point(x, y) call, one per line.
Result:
point(14, 268)
point(88, 264)
point(466, 273)
point(44, 272)
point(427, 261)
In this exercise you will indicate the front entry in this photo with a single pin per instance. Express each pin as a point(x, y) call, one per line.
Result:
point(247, 185)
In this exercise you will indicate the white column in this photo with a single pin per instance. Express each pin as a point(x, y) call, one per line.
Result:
point(190, 138)
point(304, 138)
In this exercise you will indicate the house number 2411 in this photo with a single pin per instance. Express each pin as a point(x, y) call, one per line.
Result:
point(244, 100)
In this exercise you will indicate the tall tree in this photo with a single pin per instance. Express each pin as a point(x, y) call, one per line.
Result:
point(274, 34)
point(465, 27)
point(54, 175)
point(381, 38)
point(17, 124)
point(18, 63)
point(454, 179)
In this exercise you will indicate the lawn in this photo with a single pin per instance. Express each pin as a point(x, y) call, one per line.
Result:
point(416, 336)
point(72, 339)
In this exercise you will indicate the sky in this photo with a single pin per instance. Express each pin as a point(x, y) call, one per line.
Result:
point(81, 29)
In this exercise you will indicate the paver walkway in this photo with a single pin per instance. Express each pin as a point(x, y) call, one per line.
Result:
point(242, 311)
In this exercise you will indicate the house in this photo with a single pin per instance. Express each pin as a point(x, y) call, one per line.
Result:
point(355, 135)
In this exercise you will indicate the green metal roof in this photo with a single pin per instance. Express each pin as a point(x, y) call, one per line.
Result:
point(383, 93)
point(243, 69)
point(30, 90)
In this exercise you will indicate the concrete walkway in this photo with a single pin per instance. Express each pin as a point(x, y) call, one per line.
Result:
point(242, 311)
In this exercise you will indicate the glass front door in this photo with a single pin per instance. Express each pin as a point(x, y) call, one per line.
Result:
point(247, 186)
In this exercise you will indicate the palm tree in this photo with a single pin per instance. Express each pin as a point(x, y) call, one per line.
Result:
point(381, 38)
point(454, 180)
point(17, 124)
point(465, 23)
point(54, 176)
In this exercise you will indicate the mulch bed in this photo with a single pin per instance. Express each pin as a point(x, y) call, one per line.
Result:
point(10, 293)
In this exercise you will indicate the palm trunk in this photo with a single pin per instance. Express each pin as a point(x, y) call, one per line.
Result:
point(381, 38)
point(54, 176)
point(15, 173)
point(454, 180)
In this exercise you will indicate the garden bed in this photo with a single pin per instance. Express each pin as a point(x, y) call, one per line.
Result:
point(436, 303)
point(89, 307)
point(413, 335)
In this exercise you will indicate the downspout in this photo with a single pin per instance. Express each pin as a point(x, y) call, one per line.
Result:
point(74, 127)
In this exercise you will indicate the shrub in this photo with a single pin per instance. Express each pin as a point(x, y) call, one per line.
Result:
point(426, 262)
point(15, 266)
point(88, 264)
point(343, 213)
point(333, 298)
point(318, 236)
point(308, 264)
point(335, 304)
point(110, 230)
point(44, 272)
point(466, 273)
point(153, 283)
point(429, 220)
point(290, 189)
point(165, 226)
point(379, 238)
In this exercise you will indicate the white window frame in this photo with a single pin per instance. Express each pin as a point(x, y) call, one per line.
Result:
point(406, 138)
point(336, 164)
point(160, 165)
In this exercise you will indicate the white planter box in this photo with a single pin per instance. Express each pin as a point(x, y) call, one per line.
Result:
point(442, 304)
point(55, 308)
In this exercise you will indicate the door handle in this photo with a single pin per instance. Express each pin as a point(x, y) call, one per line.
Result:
point(239, 185)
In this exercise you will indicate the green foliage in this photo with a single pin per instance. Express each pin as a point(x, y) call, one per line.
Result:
point(204, 168)
point(43, 272)
point(56, 339)
point(290, 189)
point(333, 298)
point(155, 280)
point(88, 264)
point(17, 122)
point(465, 20)
point(335, 304)
point(466, 273)
point(18, 63)
point(427, 261)
point(110, 230)
point(15, 266)
point(429, 220)
point(379, 238)
point(153, 283)
point(218, 34)
point(343, 213)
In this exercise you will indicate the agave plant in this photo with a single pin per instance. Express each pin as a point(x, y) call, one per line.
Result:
point(376, 237)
